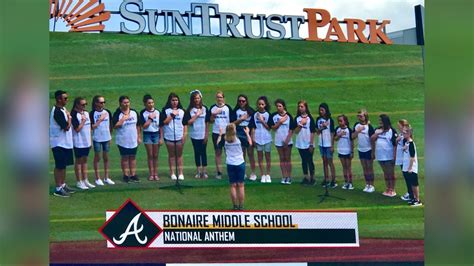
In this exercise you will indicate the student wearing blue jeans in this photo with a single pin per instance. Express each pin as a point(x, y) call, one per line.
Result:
point(235, 164)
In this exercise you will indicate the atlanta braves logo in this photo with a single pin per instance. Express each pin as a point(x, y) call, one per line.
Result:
point(130, 227)
point(136, 231)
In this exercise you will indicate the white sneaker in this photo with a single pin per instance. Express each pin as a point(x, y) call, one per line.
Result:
point(371, 189)
point(99, 182)
point(253, 177)
point(81, 185)
point(263, 179)
point(181, 177)
point(283, 180)
point(269, 179)
point(88, 184)
point(350, 186)
point(109, 181)
point(366, 188)
point(173, 177)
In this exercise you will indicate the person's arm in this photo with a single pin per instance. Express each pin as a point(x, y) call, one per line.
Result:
point(280, 122)
point(206, 133)
point(168, 118)
point(298, 126)
point(249, 139)
point(146, 124)
point(139, 134)
point(59, 118)
point(161, 136)
point(220, 136)
point(193, 118)
point(411, 151)
point(336, 135)
point(79, 127)
point(120, 121)
point(185, 134)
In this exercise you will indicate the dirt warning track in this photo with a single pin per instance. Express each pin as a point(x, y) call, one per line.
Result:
point(370, 250)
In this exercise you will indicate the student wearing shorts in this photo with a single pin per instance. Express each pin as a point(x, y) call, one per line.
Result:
point(174, 134)
point(60, 140)
point(325, 131)
point(284, 125)
point(149, 120)
point(197, 118)
point(127, 137)
point(220, 117)
point(243, 118)
point(81, 137)
point(363, 130)
point(235, 164)
point(345, 149)
point(101, 124)
point(385, 138)
point(262, 137)
point(305, 130)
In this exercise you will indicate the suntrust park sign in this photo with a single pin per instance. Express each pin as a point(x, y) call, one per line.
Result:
point(321, 26)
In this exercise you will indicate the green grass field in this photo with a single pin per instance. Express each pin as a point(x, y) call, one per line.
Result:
point(383, 79)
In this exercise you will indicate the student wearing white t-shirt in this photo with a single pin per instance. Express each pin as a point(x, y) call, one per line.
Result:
point(101, 124)
point(363, 130)
point(385, 138)
point(283, 124)
point(402, 125)
point(305, 129)
point(127, 137)
point(197, 118)
point(243, 114)
point(81, 137)
point(345, 149)
point(325, 131)
point(235, 164)
point(220, 117)
point(60, 140)
point(174, 134)
point(410, 166)
point(149, 120)
point(262, 137)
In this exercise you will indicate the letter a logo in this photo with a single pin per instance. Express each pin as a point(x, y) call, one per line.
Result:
point(136, 231)
point(129, 226)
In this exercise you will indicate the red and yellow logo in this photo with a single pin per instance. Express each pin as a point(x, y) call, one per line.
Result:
point(79, 15)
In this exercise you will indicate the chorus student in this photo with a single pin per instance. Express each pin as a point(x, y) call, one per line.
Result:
point(220, 118)
point(101, 124)
point(127, 138)
point(150, 121)
point(174, 134)
point(262, 137)
point(305, 131)
point(283, 125)
point(81, 137)
point(197, 117)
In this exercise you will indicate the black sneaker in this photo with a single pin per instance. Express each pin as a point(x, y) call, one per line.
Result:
point(235, 208)
point(126, 179)
point(68, 190)
point(416, 203)
point(304, 181)
point(61, 193)
point(241, 208)
point(134, 178)
point(333, 184)
point(324, 183)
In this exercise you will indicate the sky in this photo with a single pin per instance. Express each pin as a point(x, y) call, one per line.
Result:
point(400, 12)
